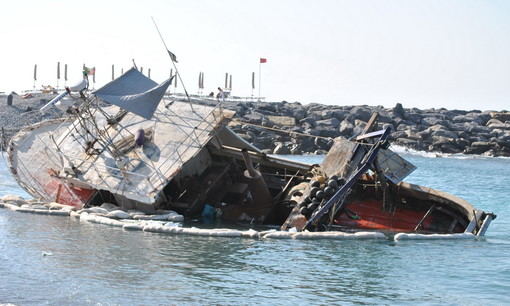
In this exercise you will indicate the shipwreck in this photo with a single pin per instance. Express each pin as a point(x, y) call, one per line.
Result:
point(132, 145)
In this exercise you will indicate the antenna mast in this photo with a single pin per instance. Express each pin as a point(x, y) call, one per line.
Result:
point(172, 58)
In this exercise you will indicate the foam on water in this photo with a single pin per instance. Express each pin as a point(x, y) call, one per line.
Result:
point(408, 151)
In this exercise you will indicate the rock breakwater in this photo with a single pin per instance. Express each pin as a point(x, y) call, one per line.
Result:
point(310, 128)
point(294, 128)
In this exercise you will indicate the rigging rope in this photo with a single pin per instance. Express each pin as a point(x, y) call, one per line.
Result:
point(237, 120)
point(279, 130)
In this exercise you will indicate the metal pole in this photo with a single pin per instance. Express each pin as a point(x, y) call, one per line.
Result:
point(199, 81)
point(252, 83)
point(173, 60)
point(260, 67)
point(58, 73)
point(35, 75)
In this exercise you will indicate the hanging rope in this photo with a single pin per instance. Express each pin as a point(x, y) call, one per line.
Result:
point(237, 120)
point(280, 130)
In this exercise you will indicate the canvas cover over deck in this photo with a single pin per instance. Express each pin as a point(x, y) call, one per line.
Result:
point(134, 92)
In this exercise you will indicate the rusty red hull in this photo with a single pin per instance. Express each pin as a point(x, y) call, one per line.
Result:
point(369, 215)
point(67, 195)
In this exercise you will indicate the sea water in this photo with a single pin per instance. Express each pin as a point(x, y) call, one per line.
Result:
point(51, 260)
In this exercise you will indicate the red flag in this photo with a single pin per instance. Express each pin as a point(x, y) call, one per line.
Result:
point(263, 60)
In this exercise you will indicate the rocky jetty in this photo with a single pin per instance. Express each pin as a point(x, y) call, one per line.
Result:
point(432, 130)
point(294, 128)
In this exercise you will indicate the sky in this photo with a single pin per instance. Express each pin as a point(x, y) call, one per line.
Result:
point(426, 54)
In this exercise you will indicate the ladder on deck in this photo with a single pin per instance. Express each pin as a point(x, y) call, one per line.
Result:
point(336, 201)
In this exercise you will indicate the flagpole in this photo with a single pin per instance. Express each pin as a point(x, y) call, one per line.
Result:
point(252, 83)
point(173, 60)
point(58, 73)
point(35, 75)
point(199, 81)
point(260, 67)
point(65, 75)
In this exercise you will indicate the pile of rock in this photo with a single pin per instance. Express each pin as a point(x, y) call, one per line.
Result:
point(468, 132)
point(17, 111)
point(294, 128)
point(433, 130)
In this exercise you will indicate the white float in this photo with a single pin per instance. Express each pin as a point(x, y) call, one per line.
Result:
point(167, 221)
point(321, 235)
point(406, 236)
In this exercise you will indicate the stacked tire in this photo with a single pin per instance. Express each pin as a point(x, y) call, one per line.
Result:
point(321, 190)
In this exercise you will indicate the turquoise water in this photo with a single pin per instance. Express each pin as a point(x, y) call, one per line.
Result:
point(59, 261)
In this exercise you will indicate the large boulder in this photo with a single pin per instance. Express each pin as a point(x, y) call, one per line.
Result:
point(450, 148)
point(497, 124)
point(385, 118)
point(254, 118)
point(398, 110)
point(281, 120)
point(308, 120)
point(504, 116)
point(326, 114)
point(444, 133)
point(472, 117)
point(479, 147)
point(306, 144)
point(263, 142)
point(327, 131)
point(411, 143)
point(413, 117)
point(269, 107)
point(323, 144)
point(480, 118)
point(339, 114)
point(332, 122)
point(307, 127)
point(432, 121)
point(362, 113)
point(281, 148)
point(346, 128)
point(410, 134)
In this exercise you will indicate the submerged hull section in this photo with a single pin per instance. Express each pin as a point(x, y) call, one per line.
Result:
point(368, 213)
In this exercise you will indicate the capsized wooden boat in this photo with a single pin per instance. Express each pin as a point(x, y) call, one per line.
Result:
point(130, 145)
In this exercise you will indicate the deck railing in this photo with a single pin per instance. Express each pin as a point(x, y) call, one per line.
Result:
point(195, 125)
